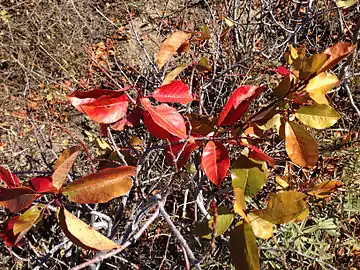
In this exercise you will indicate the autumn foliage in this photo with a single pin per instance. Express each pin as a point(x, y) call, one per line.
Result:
point(300, 102)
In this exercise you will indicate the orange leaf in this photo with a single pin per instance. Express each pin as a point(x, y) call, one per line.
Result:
point(102, 186)
point(300, 146)
point(63, 165)
point(336, 53)
point(324, 189)
point(81, 234)
point(170, 46)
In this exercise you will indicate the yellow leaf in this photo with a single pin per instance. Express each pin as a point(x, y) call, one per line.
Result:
point(300, 146)
point(273, 122)
point(345, 3)
point(261, 228)
point(318, 116)
point(170, 46)
point(282, 182)
point(321, 85)
point(312, 64)
point(228, 22)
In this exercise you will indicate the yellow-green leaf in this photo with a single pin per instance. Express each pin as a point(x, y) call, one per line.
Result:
point(171, 76)
point(261, 227)
point(205, 33)
point(283, 207)
point(243, 248)
point(345, 3)
point(81, 234)
point(223, 222)
point(273, 122)
point(203, 65)
point(324, 189)
point(321, 85)
point(318, 116)
point(300, 146)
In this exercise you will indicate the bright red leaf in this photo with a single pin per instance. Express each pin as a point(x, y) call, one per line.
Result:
point(257, 154)
point(102, 106)
point(132, 120)
point(154, 128)
point(43, 184)
point(215, 162)
point(238, 104)
point(166, 117)
point(175, 91)
point(9, 178)
point(282, 70)
point(7, 233)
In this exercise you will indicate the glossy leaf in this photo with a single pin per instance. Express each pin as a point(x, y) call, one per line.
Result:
point(176, 91)
point(131, 120)
point(215, 162)
point(223, 222)
point(170, 46)
point(43, 184)
point(154, 128)
point(171, 76)
point(243, 248)
point(81, 234)
point(10, 179)
point(262, 229)
point(336, 53)
point(324, 189)
point(63, 165)
point(321, 85)
point(248, 174)
point(238, 104)
point(300, 146)
point(102, 186)
point(257, 154)
point(318, 116)
point(25, 221)
point(167, 118)
point(283, 207)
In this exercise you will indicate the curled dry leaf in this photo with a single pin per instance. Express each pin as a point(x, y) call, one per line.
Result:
point(81, 234)
point(324, 189)
point(63, 165)
point(102, 186)
point(170, 46)
point(300, 146)
point(215, 162)
point(336, 53)
point(318, 116)
point(166, 117)
point(176, 91)
point(238, 103)
point(284, 207)
point(243, 248)
point(319, 86)
point(9, 178)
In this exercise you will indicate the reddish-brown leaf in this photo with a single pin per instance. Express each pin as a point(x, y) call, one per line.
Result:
point(170, 46)
point(238, 103)
point(102, 106)
point(102, 186)
point(185, 152)
point(166, 117)
point(257, 154)
point(9, 178)
point(11, 193)
point(215, 162)
point(81, 234)
point(19, 203)
point(175, 91)
point(43, 184)
point(132, 120)
point(7, 233)
point(63, 165)
point(336, 53)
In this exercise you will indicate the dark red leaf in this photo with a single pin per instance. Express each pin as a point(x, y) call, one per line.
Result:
point(102, 106)
point(9, 178)
point(43, 184)
point(166, 117)
point(7, 233)
point(175, 148)
point(175, 91)
point(215, 162)
point(257, 154)
point(19, 203)
point(132, 120)
point(11, 193)
point(238, 103)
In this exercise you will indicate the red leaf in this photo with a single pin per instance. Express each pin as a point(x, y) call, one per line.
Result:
point(215, 162)
point(7, 233)
point(19, 203)
point(175, 148)
point(11, 193)
point(132, 120)
point(282, 70)
point(154, 128)
point(102, 106)
point(175, 91)
point(238, 103)
point(256, 153)
point(9, 178)
point(166, 117)
point(43, 184)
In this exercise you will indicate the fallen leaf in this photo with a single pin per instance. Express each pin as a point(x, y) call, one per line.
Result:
point(324, 189)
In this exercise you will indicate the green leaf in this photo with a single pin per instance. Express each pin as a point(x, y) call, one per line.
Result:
point(318, 116)
point(248, 174)
point(284, 207)
point(223, 222)
point(243, 248)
